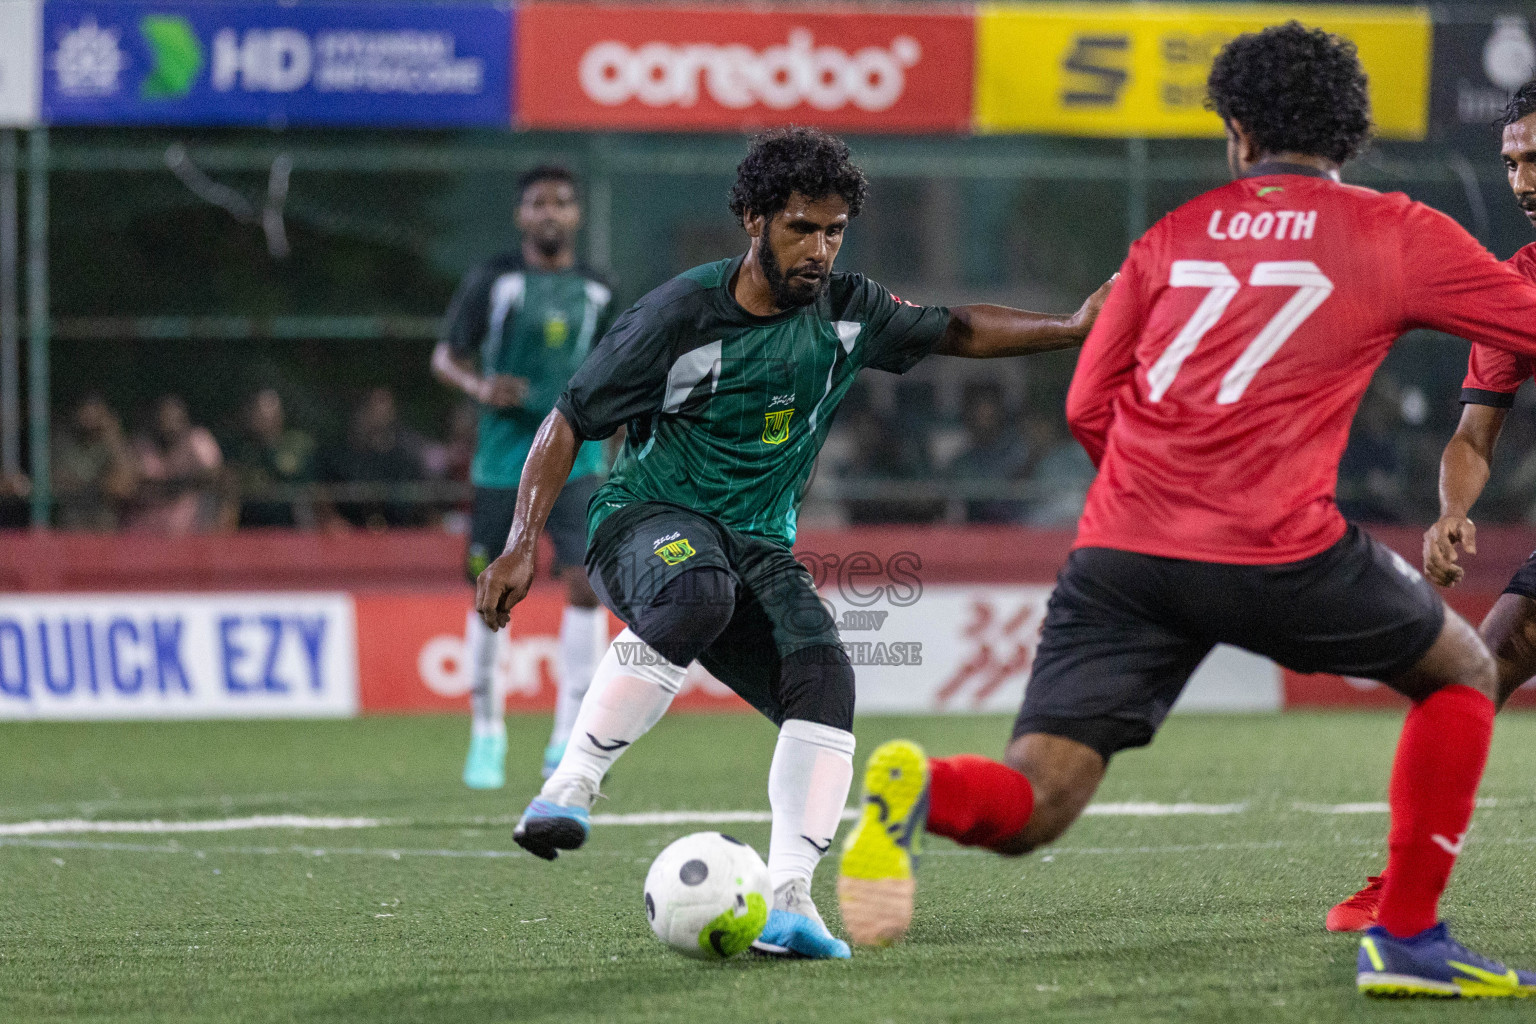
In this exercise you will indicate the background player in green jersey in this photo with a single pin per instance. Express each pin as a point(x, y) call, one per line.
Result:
point(728, 378)
point(519, 326)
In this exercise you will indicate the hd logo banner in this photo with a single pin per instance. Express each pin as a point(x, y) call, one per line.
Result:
point(1122, 70)
point(148, 656)
point(406, 64)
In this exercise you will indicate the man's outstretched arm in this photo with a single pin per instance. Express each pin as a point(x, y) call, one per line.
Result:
point(1464, 470)
point(505, 581)
point(987, 332)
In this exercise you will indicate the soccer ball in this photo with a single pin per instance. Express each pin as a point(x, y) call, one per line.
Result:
point(707, 896)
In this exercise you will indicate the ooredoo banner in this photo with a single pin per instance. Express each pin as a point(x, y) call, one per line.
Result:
point(716, 67)
point(177, 656)
point(191, 62)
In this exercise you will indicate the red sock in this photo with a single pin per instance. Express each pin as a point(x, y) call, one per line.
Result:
point(977, 802)
point(1440, 760)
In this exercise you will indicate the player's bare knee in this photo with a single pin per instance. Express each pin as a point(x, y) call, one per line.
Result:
point(1457, 657)
point(1510, 633)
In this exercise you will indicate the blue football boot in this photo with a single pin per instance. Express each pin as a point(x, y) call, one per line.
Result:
point(486, 765)
point(1432, 964)
point(559, 822)
point(795, 928)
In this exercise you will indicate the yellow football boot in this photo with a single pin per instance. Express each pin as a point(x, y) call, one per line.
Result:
point(875, 882)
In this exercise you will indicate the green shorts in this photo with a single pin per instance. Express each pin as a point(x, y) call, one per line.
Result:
point(640, 548)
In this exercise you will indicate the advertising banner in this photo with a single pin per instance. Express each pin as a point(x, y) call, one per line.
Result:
point(20, 24)
point(408, 64)
point(1123, 70)
point(411, 656)
point(177, 656)
point(940, 649)
point(677, 68)
point(1478, 64)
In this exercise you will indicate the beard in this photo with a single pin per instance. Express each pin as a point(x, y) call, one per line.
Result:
point(549, 245)
point(787, 294)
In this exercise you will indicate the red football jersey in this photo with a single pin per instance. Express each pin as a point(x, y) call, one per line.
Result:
point(1494, 375)
point(1216, 390)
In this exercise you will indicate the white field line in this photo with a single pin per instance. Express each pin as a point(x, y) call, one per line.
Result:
point(390, 853)
point(1150, 810)
point(83, 826)
point(1370, 807)
point(80, 825)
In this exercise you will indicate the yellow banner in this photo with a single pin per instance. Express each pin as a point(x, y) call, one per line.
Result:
point(1123, 70)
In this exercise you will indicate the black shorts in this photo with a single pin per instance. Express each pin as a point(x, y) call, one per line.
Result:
point(641, 547)
point(1523, 582)
point(491, 521)
point(1124, 631)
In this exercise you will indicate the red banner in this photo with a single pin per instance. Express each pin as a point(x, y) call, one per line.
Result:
point(733, 68)
point(410, 656)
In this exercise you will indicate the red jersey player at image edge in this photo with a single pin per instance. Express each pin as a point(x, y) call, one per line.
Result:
point(1487, 394)
point(1215, 394)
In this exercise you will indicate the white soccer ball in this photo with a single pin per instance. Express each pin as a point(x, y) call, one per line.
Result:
point(707, 896)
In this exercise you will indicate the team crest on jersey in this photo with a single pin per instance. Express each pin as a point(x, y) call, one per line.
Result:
point(556, 330)
point(677, 552)
point(776, 426)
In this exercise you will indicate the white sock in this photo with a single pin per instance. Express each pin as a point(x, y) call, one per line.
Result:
point(807, 788)
point(583, 637)
point(486, 706)
point(624, 701)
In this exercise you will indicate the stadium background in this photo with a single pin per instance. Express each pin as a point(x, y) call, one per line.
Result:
point(210, 200)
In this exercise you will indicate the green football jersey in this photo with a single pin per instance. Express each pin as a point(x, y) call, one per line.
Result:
point(533, 324)
point(727, 411)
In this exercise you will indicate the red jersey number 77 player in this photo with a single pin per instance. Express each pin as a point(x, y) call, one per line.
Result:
point(1215, 394)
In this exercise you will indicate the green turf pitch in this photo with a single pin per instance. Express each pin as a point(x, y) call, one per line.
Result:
point(435, 917)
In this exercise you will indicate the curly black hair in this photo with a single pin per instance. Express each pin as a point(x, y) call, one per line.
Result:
point(1295, 90)
point(785, 160)
point(543, 172)
point(1521, 105)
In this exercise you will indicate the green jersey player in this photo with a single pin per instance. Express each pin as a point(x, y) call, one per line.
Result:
point(728, 378)
point(519, 326)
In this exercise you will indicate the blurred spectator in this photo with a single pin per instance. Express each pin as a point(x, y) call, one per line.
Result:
point(879, 454)
point(1372, 482)
point(1061, 476)
point(94, 470)
point(15, 510)
point(995, 450)
point(178, 466)
point(268, 453)
point(451, 459)
point(378, 451)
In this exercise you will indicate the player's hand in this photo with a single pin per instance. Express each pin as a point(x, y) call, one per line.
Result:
point(1082, 320)
point(502, 391)
point(1440, 543)
point(502, 585)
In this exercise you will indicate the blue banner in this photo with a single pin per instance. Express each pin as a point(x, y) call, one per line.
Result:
point(384, 64)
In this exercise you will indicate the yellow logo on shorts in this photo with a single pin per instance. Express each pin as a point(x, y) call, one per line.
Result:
point(776, 426)
point(677, 552)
